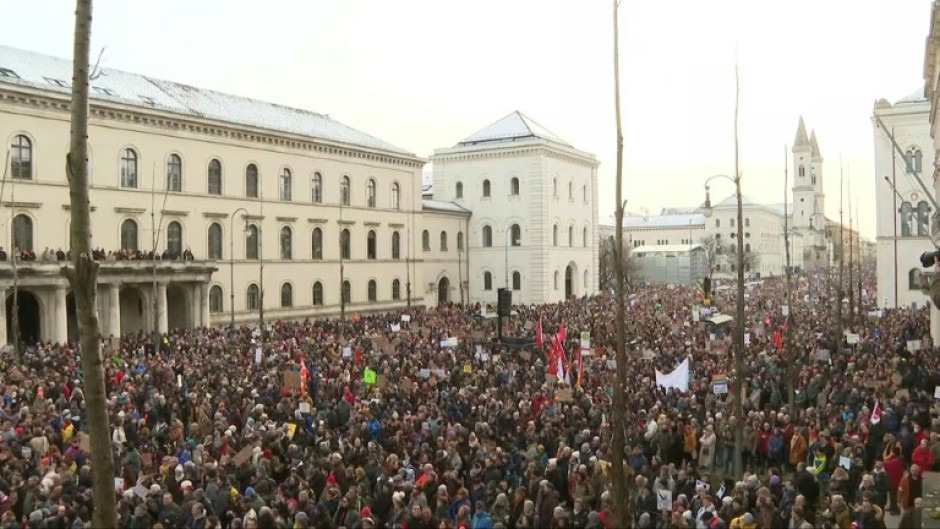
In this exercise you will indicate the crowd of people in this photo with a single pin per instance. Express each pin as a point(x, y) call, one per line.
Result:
point(48, 254)
point(421, 420)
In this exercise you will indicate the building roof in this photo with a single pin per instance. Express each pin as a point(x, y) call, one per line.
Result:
point(516, 126)
point(664, 221)
point(801, 137)
point(665, 248)
point(45, 72)
point(443, 205)
point(916, 96)
point(732, 202)
point(814, 147)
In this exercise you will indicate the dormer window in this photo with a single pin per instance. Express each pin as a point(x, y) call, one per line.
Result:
point(105, 91)
point(6, 72)
point(148, 100)
point(57, 82)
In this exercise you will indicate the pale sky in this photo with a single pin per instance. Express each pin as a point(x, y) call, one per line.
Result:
point(423, 74)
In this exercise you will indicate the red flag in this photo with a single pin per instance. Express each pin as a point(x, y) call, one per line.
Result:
point(304, 375)
point(580, 367)
point(778, 339)
point(359, 356)
point(562, 334)
point(876, 413)
point(538, 334)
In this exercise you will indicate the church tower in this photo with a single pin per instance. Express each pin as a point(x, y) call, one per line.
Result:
point(808, 197)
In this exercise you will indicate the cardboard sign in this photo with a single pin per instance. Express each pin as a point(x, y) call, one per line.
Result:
point(406, 318)
point(852, 339)
point(550, 379)
point(303, 407)
point(525, 356)
point(467, 369)
point(478, 336)
point(528, 326)
point(563, 395)
point(292, 379)
point(369, 376)
point(913, 345)
point(84, 442)
point(381, 381)
point(243, 455)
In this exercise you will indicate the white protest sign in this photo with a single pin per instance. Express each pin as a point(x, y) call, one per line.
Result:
point(405, 318)
point(395, 327)
point(664, 500)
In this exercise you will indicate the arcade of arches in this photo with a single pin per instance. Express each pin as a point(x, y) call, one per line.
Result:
point(45, 306)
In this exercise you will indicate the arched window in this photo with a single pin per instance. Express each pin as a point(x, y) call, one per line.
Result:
point(918, 161)
point(557, 276)
point(458, 190)
point(443, 241)
point(317, 293)
point(584, 193)
point(251, 181)
point(129, 168)
point(570, 191)
point(907, 213)
point(316, 188)
point(571, 236)
point(396, 289)
point(22, 233)
point(396, 245)
point(174, 239)
point(487, 237)
point(732, 223)
point(426, 240)
point(347, 292)
point(487, 281)
point(370, 193)
point(287, 243)
point(584, 237)
point(129, 235)
point(344, 244)
point(286, 185)
point(215, 241)
point(802, 171)
point(514, 186)
point(515, 235)
point(251, 242)
point(215, 177)
point(913, 159)
point(287, 295)
point(344, 191)
point(555, 187)
point(216, 300)
point(174, 173)
point(371, 245)
point(923, 219)
point(253, 298)
point(516, 281)
point(396, 196)
point(914, 279)
point(555, 235)
point(486, 188)
point(373, 290)
point(586, 279)
point(747, 248)
point(316, 244)
point(459, 241)
point(21, 158)
point(717, 223)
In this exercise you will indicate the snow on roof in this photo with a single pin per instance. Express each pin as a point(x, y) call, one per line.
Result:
point(665, 248)
point(443, 205)
point(664, 221)
point(914, 97)
point(35, 70)
point(515, 126)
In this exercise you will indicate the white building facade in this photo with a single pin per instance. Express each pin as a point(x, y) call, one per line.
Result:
point(288, 214)
point(903, 219)
point(534, 223)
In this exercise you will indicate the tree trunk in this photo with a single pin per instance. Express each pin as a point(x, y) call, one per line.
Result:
point(620, 503)
point(83, 277)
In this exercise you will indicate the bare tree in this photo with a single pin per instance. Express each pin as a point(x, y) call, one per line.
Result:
point(713, 252)
point(620, 503)
point(607, 264)
point(83, 277)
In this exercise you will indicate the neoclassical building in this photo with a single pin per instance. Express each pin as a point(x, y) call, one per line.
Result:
point(534, 226)
point(288, 214)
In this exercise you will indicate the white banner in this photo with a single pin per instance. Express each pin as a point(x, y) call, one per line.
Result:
point(678, 378)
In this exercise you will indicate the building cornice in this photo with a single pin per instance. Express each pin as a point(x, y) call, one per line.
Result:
point(153, 118)
point(209, 215)
point(23, 205)
point(470, 153)
point(133, 211)
point(175, 212)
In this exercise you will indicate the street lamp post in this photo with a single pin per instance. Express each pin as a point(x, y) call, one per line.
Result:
point(231, 262)
point(739, 320)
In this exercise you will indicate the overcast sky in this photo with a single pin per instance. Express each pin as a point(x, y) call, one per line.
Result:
point(423, 74)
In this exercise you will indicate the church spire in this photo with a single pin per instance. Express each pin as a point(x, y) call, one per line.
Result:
point(801, 138)
point(814, 147)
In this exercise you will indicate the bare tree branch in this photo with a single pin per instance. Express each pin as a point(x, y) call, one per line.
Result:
point(96, 71)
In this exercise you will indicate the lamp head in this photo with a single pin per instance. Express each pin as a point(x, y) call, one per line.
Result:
point(247, 232)
point(707, 209)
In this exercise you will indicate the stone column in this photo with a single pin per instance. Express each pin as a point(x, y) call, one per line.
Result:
point(61, 316)
point(3, 316)
point(204, 304)
point(161, 308)
point(114, 309)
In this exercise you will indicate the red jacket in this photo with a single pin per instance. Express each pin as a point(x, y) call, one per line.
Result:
point(923, 457)
point(894, 468)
